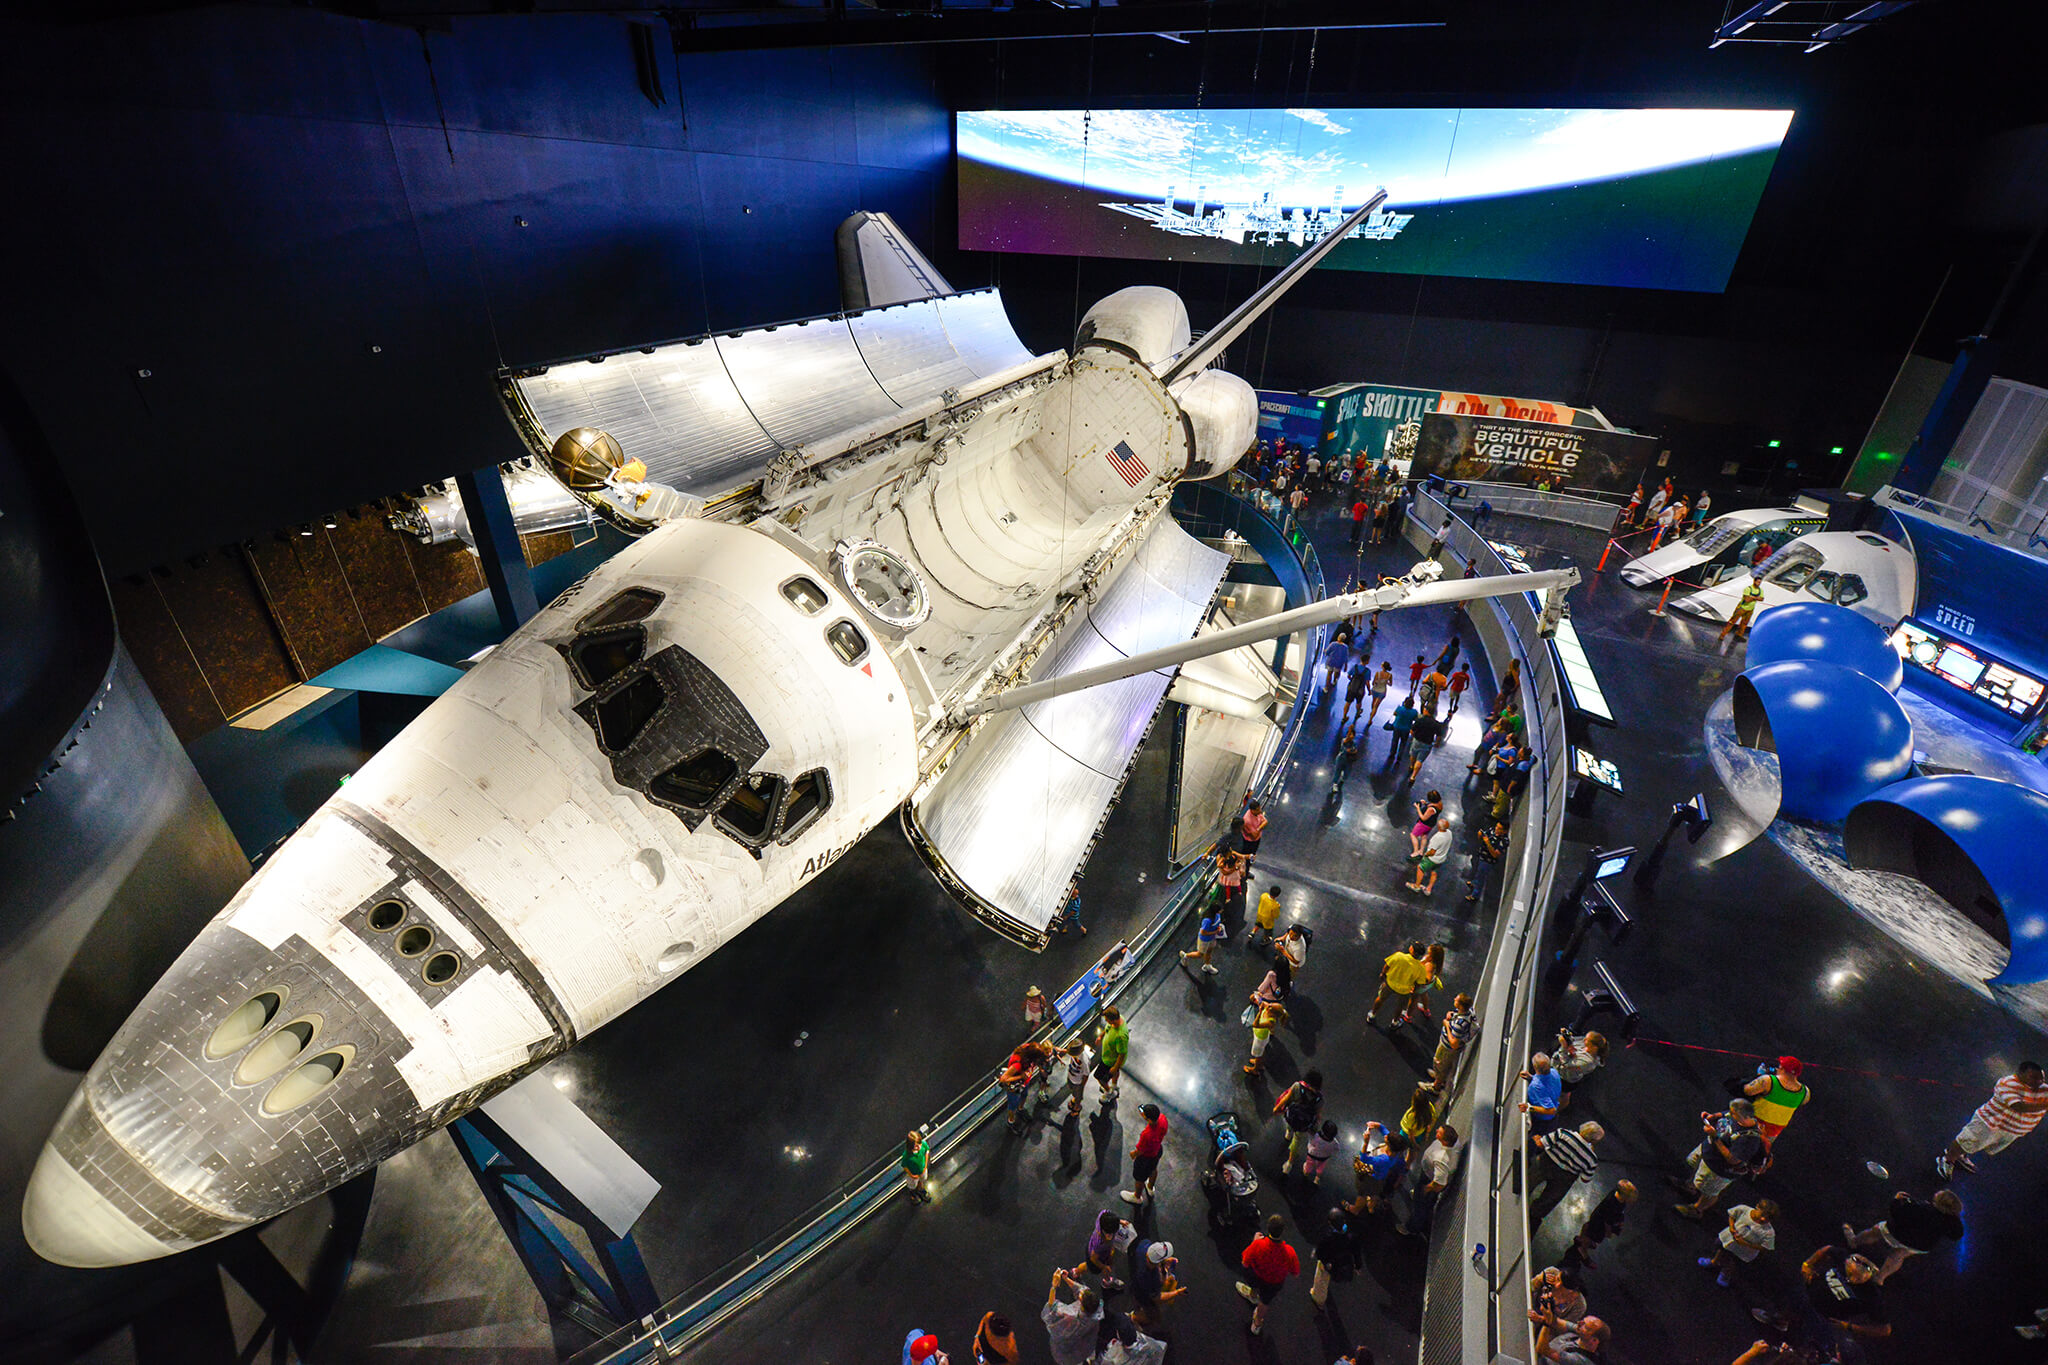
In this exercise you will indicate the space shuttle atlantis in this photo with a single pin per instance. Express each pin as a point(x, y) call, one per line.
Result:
point(853, 532)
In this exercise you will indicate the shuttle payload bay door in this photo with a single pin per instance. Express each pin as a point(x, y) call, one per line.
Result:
point(1013, 819)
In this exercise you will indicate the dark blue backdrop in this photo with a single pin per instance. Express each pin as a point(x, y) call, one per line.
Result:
point(245, 201)
point(2001, 594)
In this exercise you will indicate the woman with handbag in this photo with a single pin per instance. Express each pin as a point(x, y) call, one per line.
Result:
point(1264, 1017)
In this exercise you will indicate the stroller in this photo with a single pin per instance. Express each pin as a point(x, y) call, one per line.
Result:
point(1229, 1180)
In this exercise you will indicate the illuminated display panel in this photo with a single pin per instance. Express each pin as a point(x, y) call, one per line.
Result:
point(1582, 690)
point(1594, 768)
point(1647, 198)
point(1969, 669)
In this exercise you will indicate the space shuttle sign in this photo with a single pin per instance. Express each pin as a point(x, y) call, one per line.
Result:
point(1506, 450)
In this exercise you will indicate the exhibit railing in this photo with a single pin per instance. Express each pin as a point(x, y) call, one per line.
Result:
point(1593, 510)
point(747, 1277)
point(1476, 1296)
point(2025, 530)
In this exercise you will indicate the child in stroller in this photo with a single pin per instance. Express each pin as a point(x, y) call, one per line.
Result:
point(1229, 1180)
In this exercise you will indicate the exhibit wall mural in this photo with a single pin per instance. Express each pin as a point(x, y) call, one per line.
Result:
point(1649, 198)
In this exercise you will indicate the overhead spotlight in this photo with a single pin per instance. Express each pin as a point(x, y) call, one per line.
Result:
point(330, 523)
point(305, 530)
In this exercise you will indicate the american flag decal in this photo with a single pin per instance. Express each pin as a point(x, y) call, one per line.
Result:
point(1128, 464)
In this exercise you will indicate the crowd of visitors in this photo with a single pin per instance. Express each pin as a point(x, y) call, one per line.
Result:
point(1839, 1301)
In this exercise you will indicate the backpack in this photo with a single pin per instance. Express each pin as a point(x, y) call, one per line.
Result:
point(1304, 1106)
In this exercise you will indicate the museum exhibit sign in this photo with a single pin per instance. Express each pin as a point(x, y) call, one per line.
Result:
point(1506, 450)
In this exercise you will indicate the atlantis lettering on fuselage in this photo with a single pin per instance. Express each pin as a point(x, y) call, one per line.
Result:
point(818, 862)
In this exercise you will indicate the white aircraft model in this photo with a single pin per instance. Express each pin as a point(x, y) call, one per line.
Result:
point(1868, 573)
point(654, 761)
point(1724, 546)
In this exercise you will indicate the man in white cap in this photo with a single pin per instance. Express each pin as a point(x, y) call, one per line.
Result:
point(1154, 1281)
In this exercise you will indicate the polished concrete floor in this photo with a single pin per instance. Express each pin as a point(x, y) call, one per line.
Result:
point(900, 1002)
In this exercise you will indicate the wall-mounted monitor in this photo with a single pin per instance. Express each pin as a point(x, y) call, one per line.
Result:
point(1650, 198)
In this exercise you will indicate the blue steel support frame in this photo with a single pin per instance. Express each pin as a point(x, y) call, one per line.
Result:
point(497, 546)
point(523, 1195)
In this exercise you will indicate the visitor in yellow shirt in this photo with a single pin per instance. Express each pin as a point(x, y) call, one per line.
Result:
point(1400, 974)
point(1267, 914)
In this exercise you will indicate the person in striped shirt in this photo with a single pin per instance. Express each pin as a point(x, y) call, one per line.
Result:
point(2013, 1111)
point(1460, 1023)
point(1568, 1158)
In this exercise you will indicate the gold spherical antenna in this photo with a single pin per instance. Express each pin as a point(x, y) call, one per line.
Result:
point(584, 457)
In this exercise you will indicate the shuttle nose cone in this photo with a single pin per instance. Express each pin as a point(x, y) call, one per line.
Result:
point(69, 1222)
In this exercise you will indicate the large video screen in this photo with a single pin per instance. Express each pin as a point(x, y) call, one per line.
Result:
point(1649, 198)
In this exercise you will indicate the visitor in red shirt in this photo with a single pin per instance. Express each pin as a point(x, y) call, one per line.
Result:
point(1359, 511)
point(1268, 1264)
point(1145, 1155)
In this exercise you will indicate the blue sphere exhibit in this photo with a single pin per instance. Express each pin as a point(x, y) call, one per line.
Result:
point(1832, 634)
point(1975, 842)
point(1838, 734)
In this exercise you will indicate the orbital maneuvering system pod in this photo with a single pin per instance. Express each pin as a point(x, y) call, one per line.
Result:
point(654, 761)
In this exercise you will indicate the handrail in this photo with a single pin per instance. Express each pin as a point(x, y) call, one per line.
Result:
point(1475, 1307)
point(744, 1279)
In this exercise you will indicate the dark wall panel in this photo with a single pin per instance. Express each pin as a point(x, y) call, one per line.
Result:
point(308, 597)
point(218, 609)
point(379, 571)
point(308, 231)
point(446, 573)
point(164, 657)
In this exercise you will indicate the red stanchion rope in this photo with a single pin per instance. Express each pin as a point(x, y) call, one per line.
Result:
point(1810, 1066)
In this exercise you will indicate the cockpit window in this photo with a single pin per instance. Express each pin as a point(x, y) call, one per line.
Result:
point(1822, 585)
point(806, 595)
point(623, 714)
point(1852, 590)
point(810, 796)
point(634, 604)
point(1793, 577)
point(602, 657)
point(847, 642)
point(696, 782)
point(749, 813)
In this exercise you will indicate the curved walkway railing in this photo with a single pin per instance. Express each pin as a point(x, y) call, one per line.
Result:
point(1476, 1297)
point(1593, 510)
point(749, 1276)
